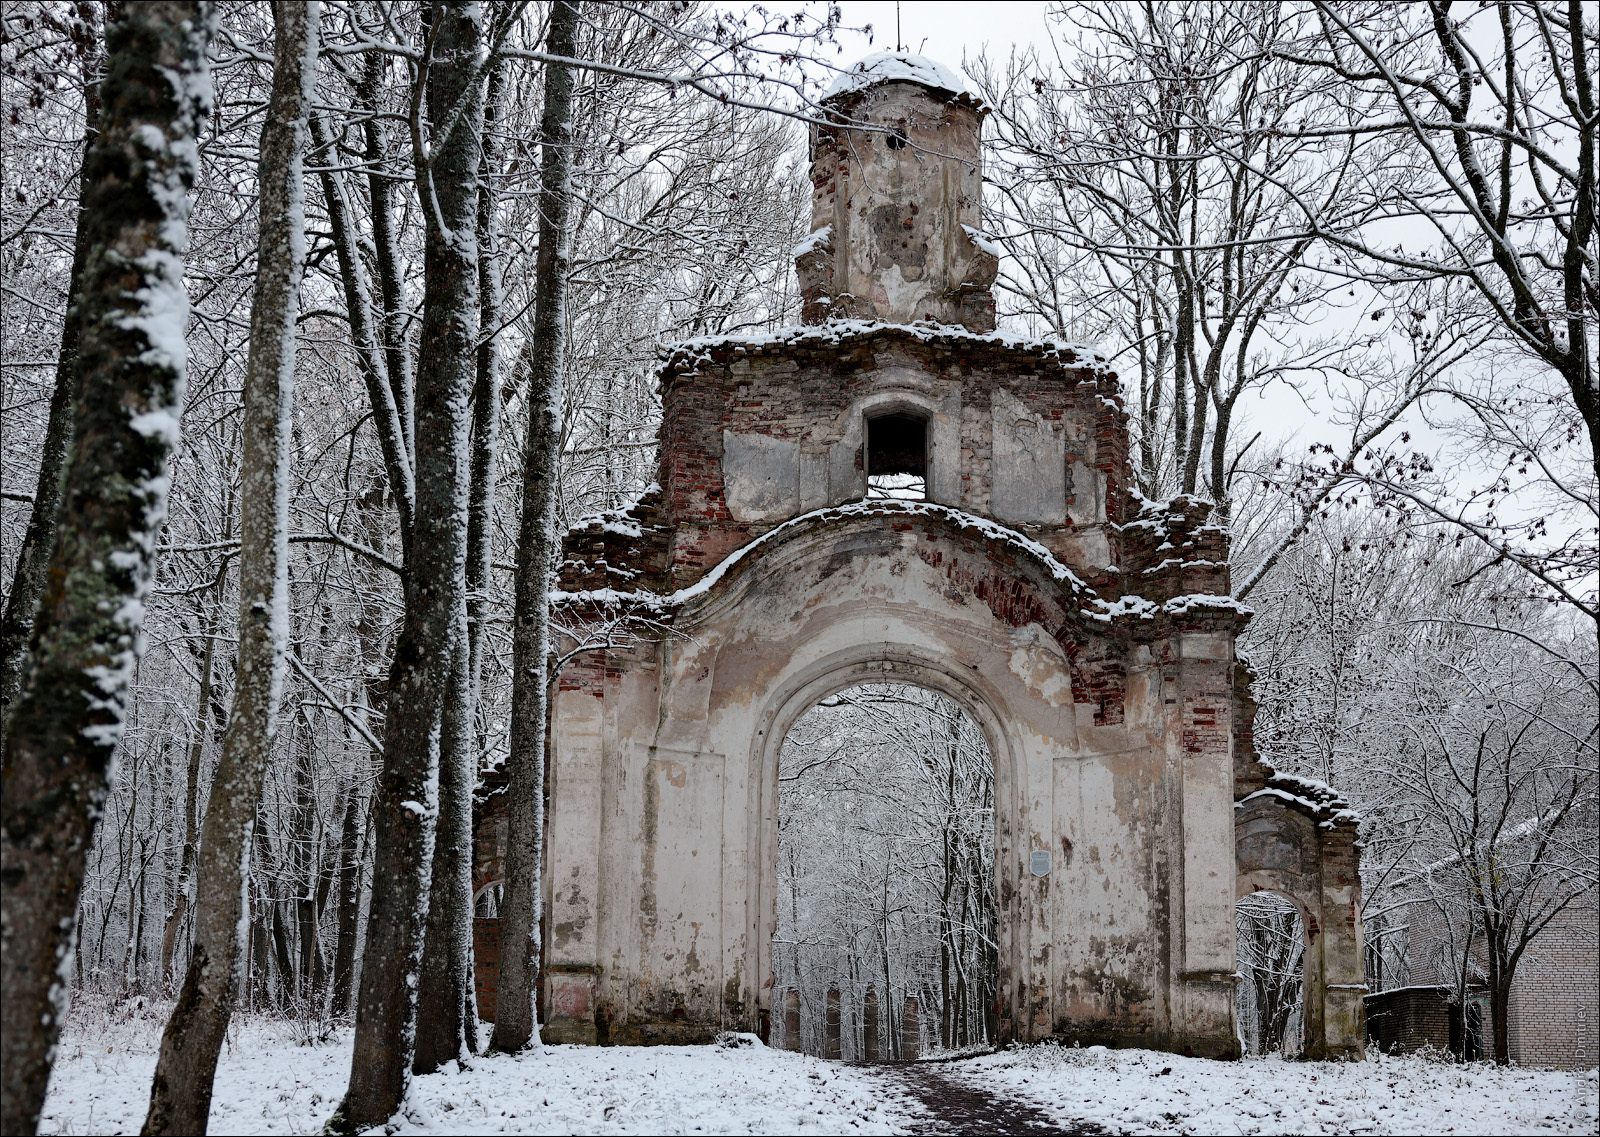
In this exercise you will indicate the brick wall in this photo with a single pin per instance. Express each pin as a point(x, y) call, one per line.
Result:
point(1408, 1018)
point(1555, 996)
point(486, 964)
point(798, 391)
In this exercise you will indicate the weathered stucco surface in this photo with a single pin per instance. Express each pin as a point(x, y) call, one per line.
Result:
point(1088, 630)
point(896, 190)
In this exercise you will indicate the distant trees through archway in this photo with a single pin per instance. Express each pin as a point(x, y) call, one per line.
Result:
point(1271, 991)
point(885, 875)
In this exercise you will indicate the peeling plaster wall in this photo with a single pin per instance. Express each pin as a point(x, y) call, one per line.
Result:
point(662, 853)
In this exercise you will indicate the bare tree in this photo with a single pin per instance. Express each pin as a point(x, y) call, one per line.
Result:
point(515, 1025)
point(1147, 194)
point(1501, 758)
point(180, 1098)
point(407, 808)
point(1271, 940)
point(87, 638)
point(1498, 104)
point(1507, 118)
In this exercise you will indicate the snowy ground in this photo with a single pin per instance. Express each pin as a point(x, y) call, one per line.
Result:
point(271, 1082)
point(267, 1083)
point(1141, 1091)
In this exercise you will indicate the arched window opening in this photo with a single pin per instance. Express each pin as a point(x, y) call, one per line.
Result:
point(886, 929)
point(1271, 991)
point(897, 457)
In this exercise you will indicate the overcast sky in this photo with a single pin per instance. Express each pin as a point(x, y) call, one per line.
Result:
point(943, 31)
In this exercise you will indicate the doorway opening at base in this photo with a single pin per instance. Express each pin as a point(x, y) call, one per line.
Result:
point(886, 939)
point(1271, 993)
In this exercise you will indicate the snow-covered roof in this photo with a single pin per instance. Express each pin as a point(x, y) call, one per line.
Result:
point(895, 66)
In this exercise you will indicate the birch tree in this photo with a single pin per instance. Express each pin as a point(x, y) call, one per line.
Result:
point(180, 1098)
point(87, 638)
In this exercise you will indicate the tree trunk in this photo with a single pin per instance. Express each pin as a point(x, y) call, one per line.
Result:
point(486, 390)
point(180, 1098)
point(344, 954)
point(27, 583)
point(305, 861)
point(446, 990)
point(447, 1013)
point(386, 250)
point(1499, 1011)
point(436, 614)
point(514, 1026)
point(191, 815)
point(67, 720)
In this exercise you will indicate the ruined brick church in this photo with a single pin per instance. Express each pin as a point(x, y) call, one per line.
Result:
point(1089, 631)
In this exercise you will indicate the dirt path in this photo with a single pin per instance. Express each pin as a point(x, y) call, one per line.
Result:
point(960, 1109)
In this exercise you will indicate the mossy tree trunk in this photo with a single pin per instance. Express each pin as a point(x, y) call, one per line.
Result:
point(87, 637)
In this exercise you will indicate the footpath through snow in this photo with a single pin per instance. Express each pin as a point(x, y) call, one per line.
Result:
point(267, 1083)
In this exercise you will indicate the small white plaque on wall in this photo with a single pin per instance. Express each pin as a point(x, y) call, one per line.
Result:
point(1039, 862)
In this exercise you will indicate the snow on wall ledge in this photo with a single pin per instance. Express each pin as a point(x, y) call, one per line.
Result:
point(1096, 608)
point(685, 355)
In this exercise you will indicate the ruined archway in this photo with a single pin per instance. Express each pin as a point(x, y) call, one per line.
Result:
point(1089, 630)
point(1296, 839)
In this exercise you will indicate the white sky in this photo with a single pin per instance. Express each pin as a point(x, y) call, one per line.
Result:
point(943, 31)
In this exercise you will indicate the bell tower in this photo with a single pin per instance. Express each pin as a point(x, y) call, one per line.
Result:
point(897, 184)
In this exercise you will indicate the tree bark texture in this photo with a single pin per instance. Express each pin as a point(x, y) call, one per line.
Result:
point(515, 1023)
point(27, 582)
point(180, 1097)
point(344, 953)
point(88, 634)
point(486, 390)
point(408, 794)
point(447, 1012)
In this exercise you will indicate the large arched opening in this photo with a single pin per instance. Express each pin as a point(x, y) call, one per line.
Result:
point(853, 683)
point(885, 940)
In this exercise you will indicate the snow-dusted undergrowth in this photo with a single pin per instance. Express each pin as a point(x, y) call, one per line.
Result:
point(268, 1082)
point(1142, 1091)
